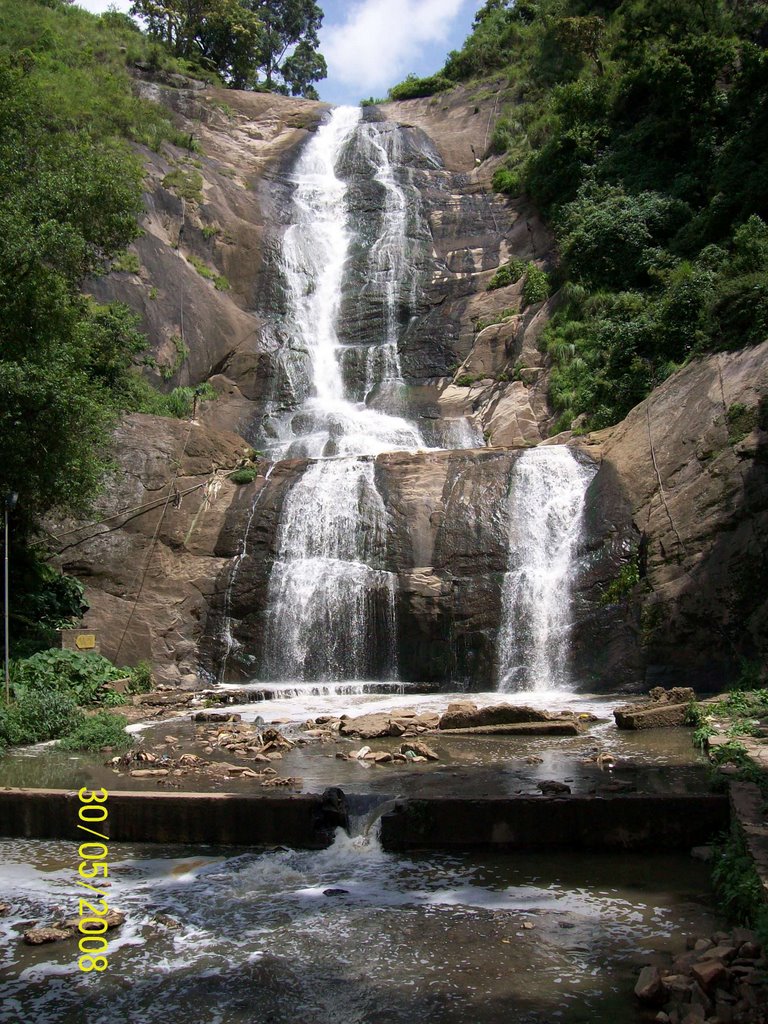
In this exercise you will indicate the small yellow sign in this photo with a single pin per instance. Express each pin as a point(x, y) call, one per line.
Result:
point(85, 642)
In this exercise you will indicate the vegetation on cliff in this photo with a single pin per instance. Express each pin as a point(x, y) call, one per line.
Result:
point(70, 203)
point(639, 129)
point(250, 44)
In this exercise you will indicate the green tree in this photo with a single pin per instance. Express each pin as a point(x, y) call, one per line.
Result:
point(287, 51)
point(221, 33)
point(68, 203)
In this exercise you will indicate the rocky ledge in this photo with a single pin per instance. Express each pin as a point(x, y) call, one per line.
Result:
point(719, 979)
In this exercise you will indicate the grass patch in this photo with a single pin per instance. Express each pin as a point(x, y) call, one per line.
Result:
point(742, 420)
point(244, 476)
point(37, 717)
point(94, 733)
point(507, 274)
point(219, 282)
point(187, 185)
point(126, 262)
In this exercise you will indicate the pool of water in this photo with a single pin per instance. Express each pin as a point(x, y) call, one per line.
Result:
point(225, 937)
point(653, 761)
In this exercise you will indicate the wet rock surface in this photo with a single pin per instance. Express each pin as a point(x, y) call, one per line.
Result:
point(720, 979)
point(666, 709)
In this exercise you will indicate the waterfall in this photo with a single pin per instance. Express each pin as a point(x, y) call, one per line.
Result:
point(331, 610)
point(316, 250)
point(331, 604)
point(546, 500)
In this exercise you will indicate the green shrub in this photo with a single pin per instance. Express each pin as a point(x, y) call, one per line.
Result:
point(186, 184)
point(622, 586)
point(414, 87)
point(142, 679)
point(507, 274)
point(36, 717)
point(243, 476)
point(536, 287)
point(507, 181)
point(95, 732)
point(742, 420)
point(501, 138)
point(178, 404)
point(220, 283)
point(84, 677)
point(126, 262)
point(737, 882)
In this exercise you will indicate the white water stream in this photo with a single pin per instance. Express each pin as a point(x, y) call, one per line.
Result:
point(331, 603)
point(547, 492)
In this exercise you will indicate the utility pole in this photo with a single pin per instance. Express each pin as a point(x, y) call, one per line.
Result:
point(10, 505)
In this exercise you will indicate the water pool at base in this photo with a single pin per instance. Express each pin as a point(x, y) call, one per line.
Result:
point(651, 761)
point(348, 935)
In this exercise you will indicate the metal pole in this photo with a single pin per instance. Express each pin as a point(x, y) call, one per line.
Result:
point(5, 609)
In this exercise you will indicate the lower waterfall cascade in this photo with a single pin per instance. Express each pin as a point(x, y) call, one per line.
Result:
point(547, 490)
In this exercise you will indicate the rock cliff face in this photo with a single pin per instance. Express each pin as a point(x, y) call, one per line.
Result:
point(680, 492)
point(150, 565)
point(692, 462)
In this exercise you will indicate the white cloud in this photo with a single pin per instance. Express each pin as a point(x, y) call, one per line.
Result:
point(380, 39)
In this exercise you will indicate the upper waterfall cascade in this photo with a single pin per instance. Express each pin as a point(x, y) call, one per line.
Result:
point(547, 491)
point(316, 247)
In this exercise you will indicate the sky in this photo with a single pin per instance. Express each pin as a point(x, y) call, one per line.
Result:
point(371, 45)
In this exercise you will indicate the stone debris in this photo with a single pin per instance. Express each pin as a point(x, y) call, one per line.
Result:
point(419, 749)
point(721, 979)
point(666, 709)
point(549, 787)
point(67, 929)
point(467, 715)
point(405, 722)
point(38, 936)
point(215, 716)
point(261, 747)
point(294, 782)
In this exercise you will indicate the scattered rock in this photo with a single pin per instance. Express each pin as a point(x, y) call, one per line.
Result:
point(38, 936)
point(335, 892)
point(5, 908)
point(215, 716)
point(466, 715)
point(149, 773)
point(703, 853)
point(666, 709)
point(649, 987)
point(112, 919)
point(67, 929)
point(715, 981)
point(551, 788)
point(419, 750)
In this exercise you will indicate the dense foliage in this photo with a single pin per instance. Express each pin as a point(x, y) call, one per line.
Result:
point(640, 129)
point(270, 44)
point(50, 688)
point(38, 717)
point(84, 677)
